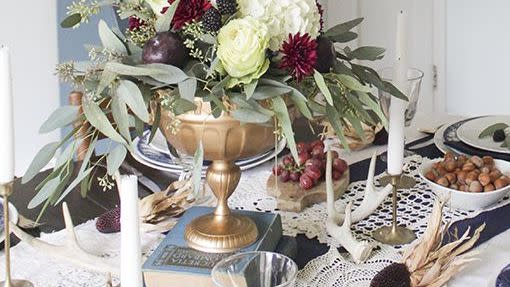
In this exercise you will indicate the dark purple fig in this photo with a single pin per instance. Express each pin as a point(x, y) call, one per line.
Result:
point(326, 55)
point(165, 48)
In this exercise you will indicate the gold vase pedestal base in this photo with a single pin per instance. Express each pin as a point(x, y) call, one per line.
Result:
point(17, 283)
point(394, 236)
point(221, 234)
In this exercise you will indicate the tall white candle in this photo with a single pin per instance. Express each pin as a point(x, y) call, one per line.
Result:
point(6, 118)
point(130, 250)
point(398, 106)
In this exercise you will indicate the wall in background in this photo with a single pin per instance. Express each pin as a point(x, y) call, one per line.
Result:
point(477, 56)
point(28, 28)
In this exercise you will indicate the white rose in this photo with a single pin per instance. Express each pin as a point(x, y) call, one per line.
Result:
point(284, 17)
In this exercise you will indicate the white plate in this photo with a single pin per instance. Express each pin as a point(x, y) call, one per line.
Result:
point(159, 142)
point(469, 131)
point(439, 138)
point(13, 214)
point(178, 169)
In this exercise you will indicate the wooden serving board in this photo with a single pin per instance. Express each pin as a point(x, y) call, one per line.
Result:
point(291, 197)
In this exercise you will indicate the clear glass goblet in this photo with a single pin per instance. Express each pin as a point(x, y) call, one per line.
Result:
point(255, 269)
point(412, 91)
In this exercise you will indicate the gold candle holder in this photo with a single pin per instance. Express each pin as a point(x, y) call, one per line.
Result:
point(5, 192)
point(394, 234)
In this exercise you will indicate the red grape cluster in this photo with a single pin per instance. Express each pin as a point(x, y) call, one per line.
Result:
point(311, 168)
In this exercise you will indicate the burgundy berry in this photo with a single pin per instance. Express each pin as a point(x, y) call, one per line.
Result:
point(303, 147)
point(305, 182)
point(285, 176)
point(277, 170)
point(340, 165)
point(317, 143)
point(337, 175)
point(288, 160)
point(313, 172)
point(294, 176)
point(313, 162)
point(318, 152)
point(303, 157)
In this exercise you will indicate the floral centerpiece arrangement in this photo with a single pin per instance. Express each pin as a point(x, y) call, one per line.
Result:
point(250, 59)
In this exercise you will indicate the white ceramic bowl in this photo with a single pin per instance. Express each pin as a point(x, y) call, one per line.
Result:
point(467, 200)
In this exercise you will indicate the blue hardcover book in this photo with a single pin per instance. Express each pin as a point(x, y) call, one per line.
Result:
point(173, 263)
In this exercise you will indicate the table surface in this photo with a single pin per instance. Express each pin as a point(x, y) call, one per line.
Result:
point(99, 201)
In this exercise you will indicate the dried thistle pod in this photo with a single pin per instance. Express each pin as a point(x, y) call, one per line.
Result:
point(427, 262)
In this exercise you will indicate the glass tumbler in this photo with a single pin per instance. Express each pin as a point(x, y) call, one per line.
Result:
point(255, 269)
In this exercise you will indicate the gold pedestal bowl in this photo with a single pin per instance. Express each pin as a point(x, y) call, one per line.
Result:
point(224, 140)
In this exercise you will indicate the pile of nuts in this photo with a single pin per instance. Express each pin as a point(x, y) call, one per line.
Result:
point(473, 174)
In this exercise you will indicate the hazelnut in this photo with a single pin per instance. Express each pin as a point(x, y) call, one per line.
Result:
point(485, 169)
point(461, 160)
point(475, 186)
point(468, 166)
point(450, 165)
point(463, 187)
point(500, 182)
point(454, 186)
point(430, 175)
point(470, 177)
point(443, 181)
point(484, 179)
point(451, 177)
point(441, 170)
point(449, 156)
point(488, 160)
point(476, 160)
point(489, 187)
point(495, 174)
point(461, 177)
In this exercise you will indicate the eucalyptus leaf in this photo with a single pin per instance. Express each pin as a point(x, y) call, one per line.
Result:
point(319, 80)
point(358, 127)
point(301, 105)
point(155, 124)
point(109, 39)
point(374, 106)
point(88, 154)
point(61, 117)
point(343, 27)
point(182, 106)
point(352, 84)
point(98, 119)
point(344, 38)
point(74, 183)
point(249, 89)
point(489, 131)
point(167, 74)
point(198, 161)
point(46, 191)
point(71, 21)
point(127, 70)
point(66, 155)
point(139, 127)
point(282, 114)
point(164, 21)
point(250, 116)
point(265, 92)
point(131, 95)
point(187, 89)
point(120, 116)
point(107, 77)
point(115, 158)
point(41, 159)
point(390, 88)
point(335, 120)
point(367, 53)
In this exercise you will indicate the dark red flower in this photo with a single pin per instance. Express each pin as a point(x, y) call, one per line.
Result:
point(321, 12)
point(135, 23)
point(299, 55)
point(187, 11)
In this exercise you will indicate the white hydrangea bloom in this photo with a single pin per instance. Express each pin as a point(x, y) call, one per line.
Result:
point(283, 17)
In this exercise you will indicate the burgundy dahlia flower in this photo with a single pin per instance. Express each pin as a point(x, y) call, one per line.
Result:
point(299, 55)
point(187, 11)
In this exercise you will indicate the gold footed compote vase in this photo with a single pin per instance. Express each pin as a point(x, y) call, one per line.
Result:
point(224, 140)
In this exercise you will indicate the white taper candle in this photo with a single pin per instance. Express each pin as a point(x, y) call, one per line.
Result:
point(397, 107)
point(130, 250)
point(6, 118)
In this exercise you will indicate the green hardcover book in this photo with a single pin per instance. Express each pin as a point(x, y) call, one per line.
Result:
point(173, 263)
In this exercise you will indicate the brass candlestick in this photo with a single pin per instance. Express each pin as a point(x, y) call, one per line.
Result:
point(394, 234)
point(5, 192)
